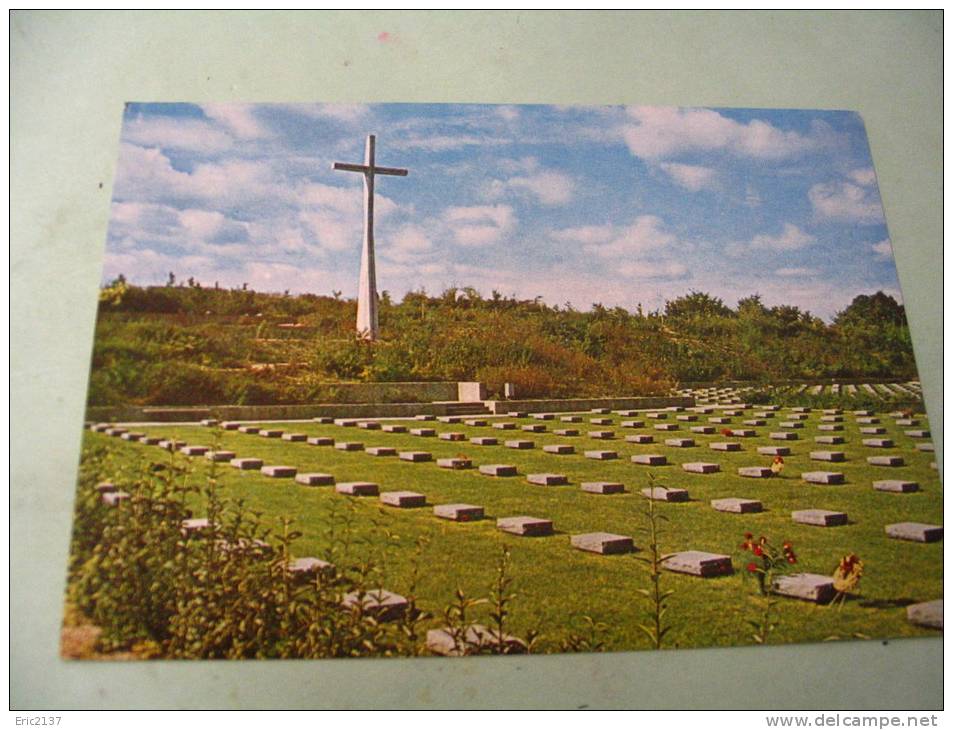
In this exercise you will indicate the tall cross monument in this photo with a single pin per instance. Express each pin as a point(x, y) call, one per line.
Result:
point(367, 290)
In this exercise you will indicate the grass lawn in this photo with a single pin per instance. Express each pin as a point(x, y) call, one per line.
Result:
point(557, 584)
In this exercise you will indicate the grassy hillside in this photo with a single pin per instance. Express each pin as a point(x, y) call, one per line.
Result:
point(189, 345)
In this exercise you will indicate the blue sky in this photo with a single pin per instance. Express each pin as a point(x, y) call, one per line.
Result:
point(618, 205)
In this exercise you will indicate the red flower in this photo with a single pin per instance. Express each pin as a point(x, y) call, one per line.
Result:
point(787, 546)
point(752, 568)
point(791, 559)
point(726, 432)
point(748, 536)
point(758, 551)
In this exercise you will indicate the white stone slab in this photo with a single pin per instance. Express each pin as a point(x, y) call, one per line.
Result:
point(928, 613)
point(194, 450)
point(459, 512)
point(476, 639)
point(805, 586)
point(695, 562)
point(601, 421)
point(271, 433)
point(295, 437)
point(425, 432)
point(566, 432)
point(114, 499)
point(381, 451)
point(680, 443)
point(383, 605)
point(357, 489)
point(603, 487)
point(702, 429)
point(640, 438)
point(403, 499)
point(393, 428)
point(915, 531)
point(369, 425)
point(279, 472)
point(534, 428)
point(649, 459)
point(415, 456)
point(504, 426)
point(666, 427)
point(484, 441)
point(823, 477)
point(828, 456)
point(661, 494)
point(873, 430)
point(321, 441)
point(831, 440)
point(737, 505)
point(783, 436)
point(891, 460)
point(315, 479)
point(520, 444)
point(456, 462)
point(246, 463)
point(559, 449)
point(571, 419)
point(547, 480)
point(601, 455)
point(819, 517)
point(724, 446)
point(349, 446)
point(498, 470)
point(755, 472)
point(219, 455)
point(602, 435)
point(632, 424)
point(896, 485)
point(525, 526)
point(603, 543)
point(701, 467)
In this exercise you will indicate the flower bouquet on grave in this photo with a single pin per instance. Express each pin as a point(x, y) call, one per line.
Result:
point(847, 577)
point(777, 465)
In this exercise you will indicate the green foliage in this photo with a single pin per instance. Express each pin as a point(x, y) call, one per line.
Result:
point(195, 345)
point(656, 597)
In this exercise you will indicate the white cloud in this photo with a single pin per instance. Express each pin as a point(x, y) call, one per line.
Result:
point(795, 271)
point(864, 176)
point(444, 142)
point(883, 249)
point(846, 202)
point(691, 177)
point(239, 119)
point(509, 113)
point(195, 135)
point(791, 238)
point(479, 225)
point(585, 234)
point(660, 132)
point(337, 112)
point(646, 234)
point(549, 187)
point(653, 270)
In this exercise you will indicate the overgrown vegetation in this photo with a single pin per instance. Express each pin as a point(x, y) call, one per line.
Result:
point(183, 345)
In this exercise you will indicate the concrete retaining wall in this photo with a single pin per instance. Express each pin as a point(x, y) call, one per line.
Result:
point(585, 404)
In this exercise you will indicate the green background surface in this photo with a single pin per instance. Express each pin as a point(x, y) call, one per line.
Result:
point(71, 73)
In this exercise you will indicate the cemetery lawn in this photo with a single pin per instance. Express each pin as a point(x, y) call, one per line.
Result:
point(557, 585)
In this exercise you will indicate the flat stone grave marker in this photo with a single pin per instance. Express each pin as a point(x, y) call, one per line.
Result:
point(525, 526)
point(666, 427)
point(426, 432)
point(918, 434)
point(454, 462)
point(193, 450)
point(323, 420)
point(314, 479)
point(279, 472)
point(303, 570)
point(657, 416)
point(863, 413)
point(115, 431)
point(393, 428)
point(928, 613)
point(832, 411)
point(805, 586)
point(504, 426)
point(737, 505)
point(833, 440)
point(498, 470)
point(649, 459)
point(321, 441)
point(632, 424)
point(114, 499)
point(603, 487)
point(925, 447)
point(732, 412)
point(702, 429)
point(823, 477)
point(534, 428)
point(719, 420)
point(896, 485)
point(369, 425)
point(602, 411)
point(403, 499)
point(566, 432)
point(296, 437)
point(450, 419)
point(601, 421)
point(246, 463)
point(686, 418)
point(828, 456)
point(602, 435)
point(873, 430)
point(704, 410)
point(701, 467)
point(743, 433)
point(627, 414)
point(571, 419)
point(832, 419)
point(755, 422)
point(885, 460)
point(248, 429)
point(458, 512)
point(675, 409)
point(271, 433)
point(452, 436)
point(680, 443)
point(830, 427)
point(193, 526)
point(425, 417)
point(763, 414)
point(800, 409)
point(381, 450)
point(100, 427)
point(783, 436)
point(755, 472)
point(601, 455)
point(516, 414)
point(725, 446)
point(104, 487)
point(790, 424)
point(357, 489)
point(475, 640)
point(150, 440)
point(915, 531)
point(171, 444)
point(907, 422)
point(640, 438)
point(219, 455)
point(519, 444)
point(132, 436)
point(475, 422)
point(349, 446)
point(547, 480)
point(484, 441)
point(878, 443)
point(796, 417)
point(695, 562)
point(603, 543)
point(560, 449)
point(415, 456)
point(231, 425)
point(663, 494)
point(819, 517)
point(542, 416)
point(382, 605)
point(868, 420)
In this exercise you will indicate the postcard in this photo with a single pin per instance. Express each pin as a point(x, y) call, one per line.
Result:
point(446, 380)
